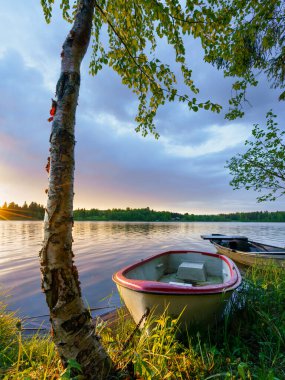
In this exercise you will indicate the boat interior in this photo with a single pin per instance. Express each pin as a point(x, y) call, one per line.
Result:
point(249, 246)
point(182, 269)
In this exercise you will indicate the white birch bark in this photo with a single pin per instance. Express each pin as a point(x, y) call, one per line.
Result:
point(73, 332)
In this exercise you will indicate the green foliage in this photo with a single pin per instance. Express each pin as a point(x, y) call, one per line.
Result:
point(68, 9)
point(134, 29)
point(262, 166)
point(24, 357)
point(72, 367)
point(148, 215)
point(155, 353)
point(128, 35)
point(242, 37)
point(258, 327)
point(253, 42)
point(35, 211)
point(8, 335)
point(249, 344)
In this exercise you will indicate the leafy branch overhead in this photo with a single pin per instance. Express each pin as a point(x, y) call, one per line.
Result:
point(131, 37)
point(128, 35)
point(262, 166)
point(254, 45)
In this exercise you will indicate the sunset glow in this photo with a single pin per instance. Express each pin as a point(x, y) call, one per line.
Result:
point(115, 167)
point(7, 214)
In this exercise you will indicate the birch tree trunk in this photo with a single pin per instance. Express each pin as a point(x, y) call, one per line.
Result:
point(73, 332)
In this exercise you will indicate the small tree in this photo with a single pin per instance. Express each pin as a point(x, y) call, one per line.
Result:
point(262, 166)
point(125, 35)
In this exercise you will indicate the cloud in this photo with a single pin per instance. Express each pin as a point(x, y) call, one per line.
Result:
point(215, 139)
point(115, 167)
point(24, 130)
point(24, 99)
point(102, 119)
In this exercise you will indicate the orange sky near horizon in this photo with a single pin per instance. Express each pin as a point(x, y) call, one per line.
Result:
point(183, 171)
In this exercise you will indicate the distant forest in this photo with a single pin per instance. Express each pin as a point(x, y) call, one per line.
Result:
point(13, 211)
point(35, 211)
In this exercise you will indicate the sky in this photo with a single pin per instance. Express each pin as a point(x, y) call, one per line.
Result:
point(183, 171)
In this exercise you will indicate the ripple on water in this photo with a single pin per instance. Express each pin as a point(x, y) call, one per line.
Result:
point(101, 248)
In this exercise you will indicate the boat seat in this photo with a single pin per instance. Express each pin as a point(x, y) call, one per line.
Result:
point(239, 245)
point(191, 271)
point(180, 284)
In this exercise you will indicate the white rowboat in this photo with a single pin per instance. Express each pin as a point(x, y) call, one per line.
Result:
point(197, 283)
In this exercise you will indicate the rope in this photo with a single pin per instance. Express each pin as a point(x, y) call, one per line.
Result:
point(144, 316)
point(47, 315)
point(20, 327)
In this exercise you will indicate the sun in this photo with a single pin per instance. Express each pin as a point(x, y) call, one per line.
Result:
point(3, 215)
point(11, 214)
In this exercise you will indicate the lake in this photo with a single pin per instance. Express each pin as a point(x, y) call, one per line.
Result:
point(100, 249)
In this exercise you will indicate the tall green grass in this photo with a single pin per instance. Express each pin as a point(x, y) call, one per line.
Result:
point(249, 343)
point(25, 357)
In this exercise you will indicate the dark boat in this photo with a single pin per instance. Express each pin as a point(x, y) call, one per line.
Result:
point(246, 252)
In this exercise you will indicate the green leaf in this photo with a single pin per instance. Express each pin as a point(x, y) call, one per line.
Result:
point(242, 367)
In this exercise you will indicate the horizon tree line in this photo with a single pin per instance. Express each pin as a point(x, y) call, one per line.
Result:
point(35, 211)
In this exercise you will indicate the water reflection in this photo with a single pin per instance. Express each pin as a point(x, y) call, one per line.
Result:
point(101, 248)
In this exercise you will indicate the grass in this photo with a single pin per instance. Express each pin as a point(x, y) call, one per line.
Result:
point(248, 344)
point(25, 357)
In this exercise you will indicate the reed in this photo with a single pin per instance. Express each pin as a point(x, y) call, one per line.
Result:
point(25, 357)
point(249, 343)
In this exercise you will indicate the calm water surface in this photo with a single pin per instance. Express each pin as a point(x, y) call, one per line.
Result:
point(101, 248)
